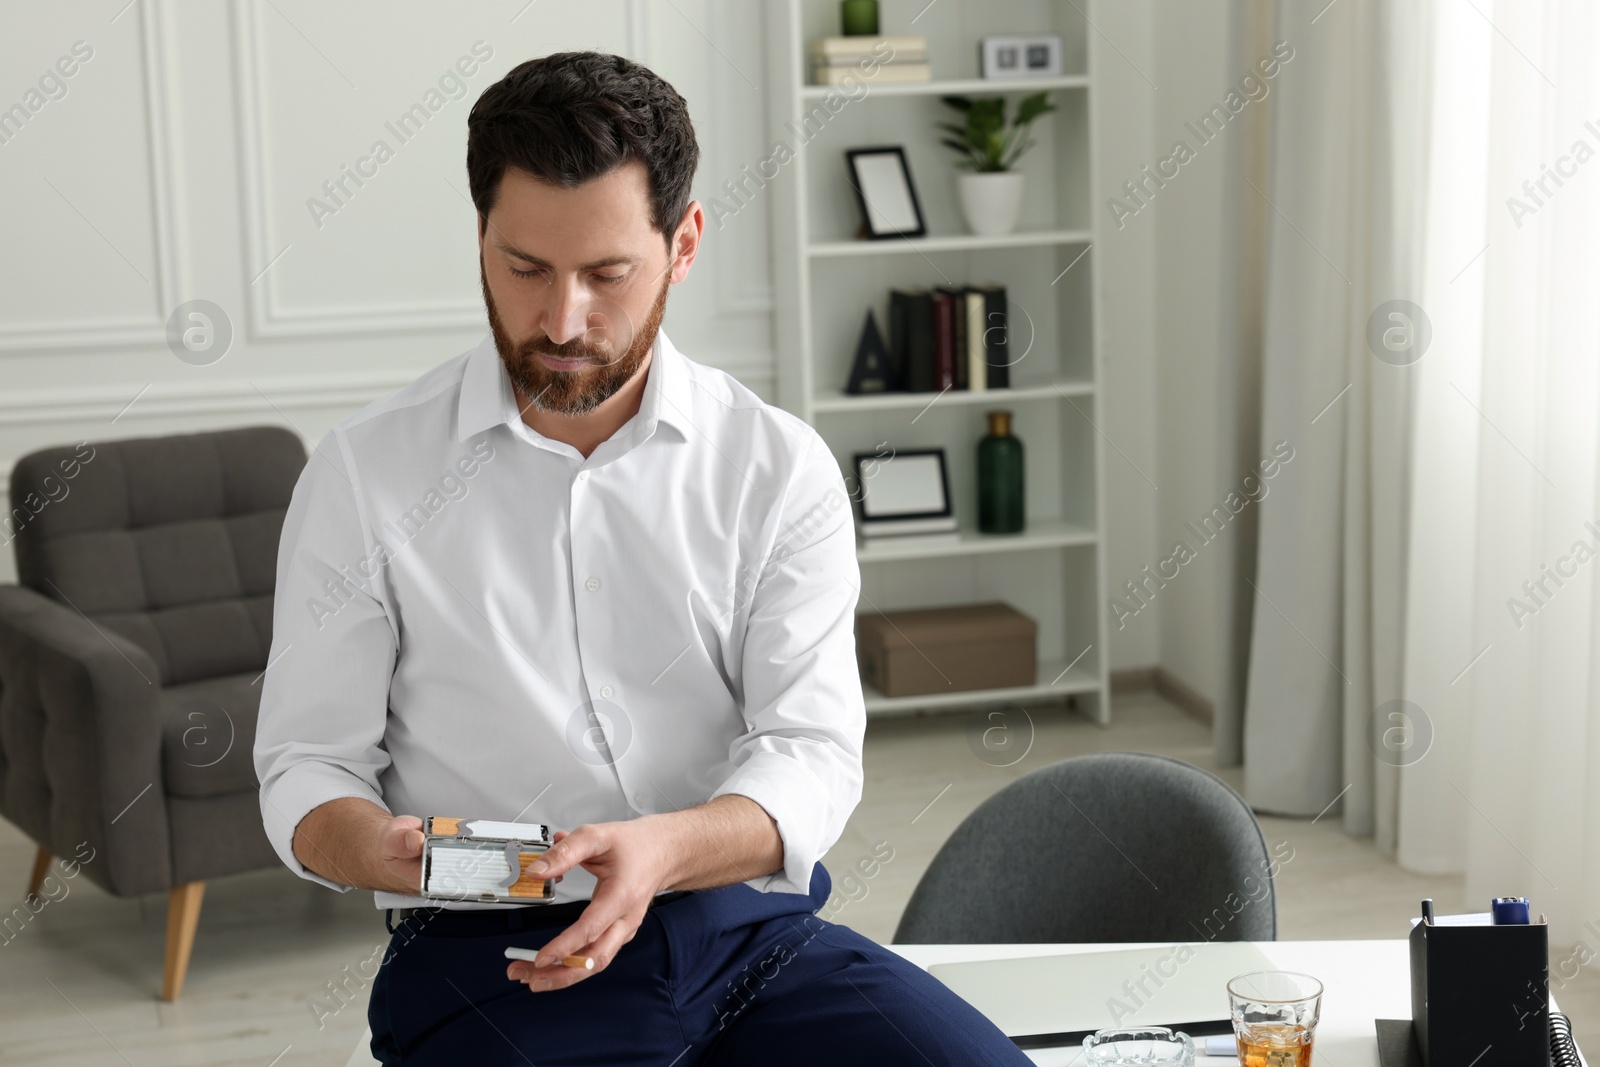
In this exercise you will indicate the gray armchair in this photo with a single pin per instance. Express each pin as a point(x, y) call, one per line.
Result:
point(131, 655)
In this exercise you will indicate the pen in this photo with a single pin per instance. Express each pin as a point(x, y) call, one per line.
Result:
point(581, 963)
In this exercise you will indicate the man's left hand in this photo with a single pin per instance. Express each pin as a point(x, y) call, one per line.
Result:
point(728, 839)
point(630, 868)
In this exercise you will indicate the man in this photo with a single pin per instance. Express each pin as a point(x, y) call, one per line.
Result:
point(573, 577)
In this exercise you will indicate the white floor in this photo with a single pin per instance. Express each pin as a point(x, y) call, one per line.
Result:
point(79, 983)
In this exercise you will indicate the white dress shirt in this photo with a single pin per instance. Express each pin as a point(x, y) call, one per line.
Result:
point(474, 620)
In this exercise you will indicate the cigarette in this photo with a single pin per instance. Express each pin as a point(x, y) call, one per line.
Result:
point(581, 963)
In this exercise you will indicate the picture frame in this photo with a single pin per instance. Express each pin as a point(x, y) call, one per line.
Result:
point(903, 493)
point(1035, 55)
point(885, 193)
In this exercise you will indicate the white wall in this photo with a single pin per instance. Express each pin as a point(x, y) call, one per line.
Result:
point(179, 162)
point(1169, 258)
point(1123, 103)
point(1192, 46)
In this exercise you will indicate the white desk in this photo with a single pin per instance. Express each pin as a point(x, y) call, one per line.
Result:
point(1363, 981)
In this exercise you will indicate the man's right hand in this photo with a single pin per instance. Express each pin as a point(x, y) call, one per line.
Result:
point(356, 843)
point(400, 851)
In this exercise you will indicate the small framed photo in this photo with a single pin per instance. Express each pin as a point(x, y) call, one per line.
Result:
point(881, 179)
point(906, 492)
point(1035, 55)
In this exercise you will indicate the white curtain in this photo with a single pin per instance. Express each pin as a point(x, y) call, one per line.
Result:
point(1504, 562)
point(1342, 192)
point(1437, 538)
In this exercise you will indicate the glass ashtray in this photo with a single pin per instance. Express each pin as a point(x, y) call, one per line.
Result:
point(1148, 1046)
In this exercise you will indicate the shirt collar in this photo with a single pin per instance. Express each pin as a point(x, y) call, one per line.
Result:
point(487, 399)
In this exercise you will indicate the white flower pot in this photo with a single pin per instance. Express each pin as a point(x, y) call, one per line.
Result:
point(990, 201)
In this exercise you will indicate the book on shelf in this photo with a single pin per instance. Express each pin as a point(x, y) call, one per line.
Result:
point(838, 60)
point(893, 48)
point(868, 63)
point(944, 340)
point(953, 337)
point(996, 333)
point(911, 339)
point(977, 355)
point(887, 73)
point(958, 335)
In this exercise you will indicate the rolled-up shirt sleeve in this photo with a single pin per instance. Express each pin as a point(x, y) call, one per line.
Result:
point(800, 757)
point(324, 698)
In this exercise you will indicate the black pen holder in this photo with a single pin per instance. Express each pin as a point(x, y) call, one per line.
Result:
point(1479, 996)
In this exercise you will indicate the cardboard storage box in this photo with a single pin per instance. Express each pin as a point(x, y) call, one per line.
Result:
point(946, 650)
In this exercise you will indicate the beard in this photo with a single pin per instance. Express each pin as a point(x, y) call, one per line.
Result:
point(572, 392)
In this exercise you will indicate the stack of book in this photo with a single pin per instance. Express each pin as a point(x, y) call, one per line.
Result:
point(949, 338)
point(836, 60)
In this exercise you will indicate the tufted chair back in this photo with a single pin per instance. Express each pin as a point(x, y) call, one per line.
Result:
point(171, 542)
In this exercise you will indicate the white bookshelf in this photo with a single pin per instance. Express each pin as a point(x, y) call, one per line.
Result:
point(1040, 534)
point(1053, 570)
point(950, 243)
point(839, 400)
point(960, 86)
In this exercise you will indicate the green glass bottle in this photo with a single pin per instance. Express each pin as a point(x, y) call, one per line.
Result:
point(1001, 504)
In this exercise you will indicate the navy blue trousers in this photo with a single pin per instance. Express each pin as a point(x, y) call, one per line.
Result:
point(713, 978)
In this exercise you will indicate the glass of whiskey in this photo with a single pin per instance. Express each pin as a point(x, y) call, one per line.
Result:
point(1274, 1017)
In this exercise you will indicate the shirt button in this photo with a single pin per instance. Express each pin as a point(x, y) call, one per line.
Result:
point(592, 584)
point(638, 800)
point(583, 476)
point(605, 691)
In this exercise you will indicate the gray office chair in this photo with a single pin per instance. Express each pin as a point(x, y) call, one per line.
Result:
point(1118, 846)
point(130, 659)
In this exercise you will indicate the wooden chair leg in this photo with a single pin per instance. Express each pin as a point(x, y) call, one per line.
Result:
point(41, 867)
point(183, 913)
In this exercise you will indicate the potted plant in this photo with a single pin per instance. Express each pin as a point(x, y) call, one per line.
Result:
point(989, 146)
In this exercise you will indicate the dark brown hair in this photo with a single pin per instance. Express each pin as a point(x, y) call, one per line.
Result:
point(570, 117)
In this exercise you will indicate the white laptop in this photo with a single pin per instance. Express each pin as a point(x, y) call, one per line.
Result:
point(1041, 1001)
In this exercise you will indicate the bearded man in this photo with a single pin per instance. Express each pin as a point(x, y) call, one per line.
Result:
point(573, 577)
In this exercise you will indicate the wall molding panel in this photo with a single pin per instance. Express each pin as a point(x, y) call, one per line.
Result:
point(224, 397)
point(91, 332)
point(740, 291)
point(233, 110)
point(639, 31)
point(267, 316)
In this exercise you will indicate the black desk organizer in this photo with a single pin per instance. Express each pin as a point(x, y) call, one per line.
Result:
point(1478, 998)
